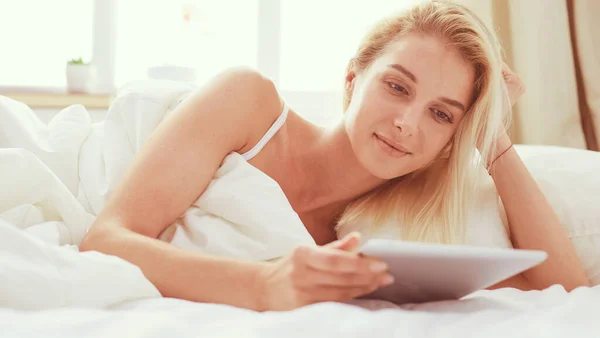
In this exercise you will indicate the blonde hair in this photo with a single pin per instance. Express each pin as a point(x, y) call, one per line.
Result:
point(432, 204)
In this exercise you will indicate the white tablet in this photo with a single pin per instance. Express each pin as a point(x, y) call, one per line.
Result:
point(432, 272)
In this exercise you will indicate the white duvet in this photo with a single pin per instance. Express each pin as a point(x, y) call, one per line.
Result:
point(55, 178)
point(501, 313)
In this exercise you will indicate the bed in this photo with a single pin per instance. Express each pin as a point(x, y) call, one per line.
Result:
point(54, 178)
point(501, 313)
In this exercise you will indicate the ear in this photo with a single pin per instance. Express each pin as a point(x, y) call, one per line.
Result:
point(349, 86)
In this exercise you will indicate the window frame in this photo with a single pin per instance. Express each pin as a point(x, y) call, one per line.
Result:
point(316, 105)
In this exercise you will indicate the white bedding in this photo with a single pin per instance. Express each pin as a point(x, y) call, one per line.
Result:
point(52, 187)
point(501, 313)
point(55, 179)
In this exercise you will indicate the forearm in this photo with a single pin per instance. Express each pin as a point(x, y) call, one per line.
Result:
point(534, 225)
point(183, 274)
point(517, 282)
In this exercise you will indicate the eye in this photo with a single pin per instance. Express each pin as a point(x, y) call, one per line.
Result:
point(398, 88)
point(441, 115)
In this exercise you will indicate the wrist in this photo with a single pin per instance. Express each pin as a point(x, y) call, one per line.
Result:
point(503, 145)
point(260, 289)
point(503, 142)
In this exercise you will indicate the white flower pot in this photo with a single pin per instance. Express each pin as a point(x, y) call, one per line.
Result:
point(81, 78)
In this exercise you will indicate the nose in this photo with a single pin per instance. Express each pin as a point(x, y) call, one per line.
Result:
point(407, 120)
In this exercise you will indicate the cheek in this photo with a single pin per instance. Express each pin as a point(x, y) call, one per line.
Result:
point(360, 117)
point(351, 120)
point(435, 140)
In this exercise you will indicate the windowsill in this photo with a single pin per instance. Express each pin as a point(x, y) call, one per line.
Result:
point(58, 99)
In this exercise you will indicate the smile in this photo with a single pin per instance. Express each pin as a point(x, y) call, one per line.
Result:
point(388, 148)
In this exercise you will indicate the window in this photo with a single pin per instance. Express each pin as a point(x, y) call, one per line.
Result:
point(36, 45)
point(303, 46)
point(271, 35)
point(318, 38)
point(206, 35)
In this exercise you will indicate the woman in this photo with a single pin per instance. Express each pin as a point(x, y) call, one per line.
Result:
point(423, 89)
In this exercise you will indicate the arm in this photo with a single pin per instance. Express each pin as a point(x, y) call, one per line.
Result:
point(534, 225)
point(168, 174)
point(171, 170)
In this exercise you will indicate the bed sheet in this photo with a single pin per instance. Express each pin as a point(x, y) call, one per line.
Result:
point(499, 313)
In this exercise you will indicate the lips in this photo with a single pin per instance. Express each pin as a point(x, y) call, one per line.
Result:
point(392, 144)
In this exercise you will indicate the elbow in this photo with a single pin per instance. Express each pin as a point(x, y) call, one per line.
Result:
point(568, 286)
point(583, 282)
point(91, 242)
point(577, 280)
point(97, 237)
point(528, 282)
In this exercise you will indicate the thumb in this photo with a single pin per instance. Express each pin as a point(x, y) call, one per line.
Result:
point(350, 242)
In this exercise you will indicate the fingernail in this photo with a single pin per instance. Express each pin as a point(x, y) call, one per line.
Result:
point(387, 280)
point(378, 266)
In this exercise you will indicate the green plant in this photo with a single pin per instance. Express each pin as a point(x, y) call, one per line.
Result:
point(78, 61)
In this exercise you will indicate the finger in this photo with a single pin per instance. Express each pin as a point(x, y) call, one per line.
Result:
point(350, 242)
point(332, 260)
point(324, 278)
point(507, 73)
point(337, 294)
point(508, 77)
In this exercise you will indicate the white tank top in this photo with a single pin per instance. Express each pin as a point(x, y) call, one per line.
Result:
point(268, 135)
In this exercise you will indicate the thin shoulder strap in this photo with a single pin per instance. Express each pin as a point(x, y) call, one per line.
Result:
point(268, 135)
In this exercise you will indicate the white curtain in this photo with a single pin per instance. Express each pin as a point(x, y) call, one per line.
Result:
point(562, 74)
point(587, 31)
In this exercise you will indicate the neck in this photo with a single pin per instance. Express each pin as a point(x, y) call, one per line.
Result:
point(332, 172)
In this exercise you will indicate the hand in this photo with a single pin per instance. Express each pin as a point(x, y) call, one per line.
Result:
point(515, 88)
point(319, 274)
point(514, 85)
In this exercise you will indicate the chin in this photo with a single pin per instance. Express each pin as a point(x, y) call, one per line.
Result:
point(381, 165)
point(385, 170)
point(388, 174)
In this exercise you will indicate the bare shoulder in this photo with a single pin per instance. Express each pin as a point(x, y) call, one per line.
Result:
point(249, 99)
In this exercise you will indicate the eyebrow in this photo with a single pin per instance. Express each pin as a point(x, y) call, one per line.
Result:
point(404, 71)
point(453, 103)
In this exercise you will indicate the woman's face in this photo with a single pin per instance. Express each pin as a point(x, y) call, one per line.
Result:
point(405, 108)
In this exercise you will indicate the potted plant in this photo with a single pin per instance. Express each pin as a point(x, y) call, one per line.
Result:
point(81, 76)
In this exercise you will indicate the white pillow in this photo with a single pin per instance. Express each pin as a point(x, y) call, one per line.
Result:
point(567, 176)
point(570, 181)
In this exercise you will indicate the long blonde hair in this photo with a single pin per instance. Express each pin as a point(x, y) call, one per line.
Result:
point(432, 204)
